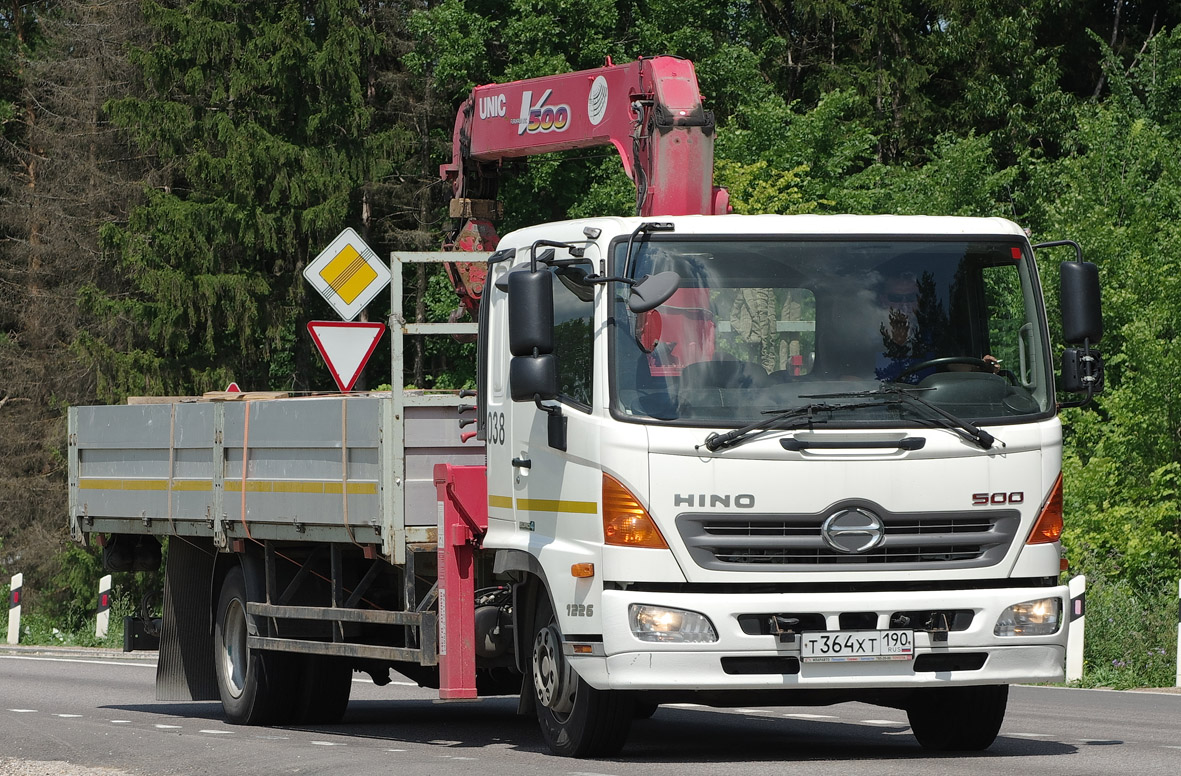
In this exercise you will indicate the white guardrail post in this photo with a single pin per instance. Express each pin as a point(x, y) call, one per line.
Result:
point(103, 620)
point(1077, 625)
point(14, 608)
point(1179, 633)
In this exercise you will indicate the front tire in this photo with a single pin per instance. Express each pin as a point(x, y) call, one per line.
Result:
point(256, 687)
point(964, 719)
point(576, 719)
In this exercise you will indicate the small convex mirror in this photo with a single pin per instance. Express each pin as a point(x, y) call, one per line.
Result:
point(652, 291)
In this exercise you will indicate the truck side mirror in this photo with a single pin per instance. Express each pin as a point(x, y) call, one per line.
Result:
point(1082, 312)
point(652, 291)
point(533, 371)
point(1082, 324)
point(533, 377)
point(530, 313)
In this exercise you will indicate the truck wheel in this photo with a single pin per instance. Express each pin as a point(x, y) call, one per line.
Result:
point(576, 719)
point(256, 687)
point(958, 718)
point(326, 685)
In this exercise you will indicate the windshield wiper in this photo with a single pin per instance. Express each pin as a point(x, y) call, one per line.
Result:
point(805, 414)
point(963, 428)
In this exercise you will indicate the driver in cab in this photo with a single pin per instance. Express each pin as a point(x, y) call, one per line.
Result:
point(907, 331)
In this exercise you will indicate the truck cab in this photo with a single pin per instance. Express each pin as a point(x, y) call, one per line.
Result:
point(828, 462)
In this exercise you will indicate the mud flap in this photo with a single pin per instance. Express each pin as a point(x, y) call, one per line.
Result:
point(184, 670)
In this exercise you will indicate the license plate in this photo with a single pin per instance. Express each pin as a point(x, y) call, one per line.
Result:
point(851, 646)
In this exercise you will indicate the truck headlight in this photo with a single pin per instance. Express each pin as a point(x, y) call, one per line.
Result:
point(1032, 618)
point(656, 623)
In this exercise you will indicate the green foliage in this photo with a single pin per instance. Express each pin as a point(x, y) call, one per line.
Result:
point(258, 115)
point(440, 302)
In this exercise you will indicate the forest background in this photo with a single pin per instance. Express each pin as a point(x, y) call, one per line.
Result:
point(167, 169)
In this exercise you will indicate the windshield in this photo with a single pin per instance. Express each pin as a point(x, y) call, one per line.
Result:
point(769, 325)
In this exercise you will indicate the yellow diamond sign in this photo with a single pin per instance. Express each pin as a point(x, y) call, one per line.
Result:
point(348, 274)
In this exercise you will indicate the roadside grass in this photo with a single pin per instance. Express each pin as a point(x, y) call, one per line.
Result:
point(1131, 638)
point(75, 629)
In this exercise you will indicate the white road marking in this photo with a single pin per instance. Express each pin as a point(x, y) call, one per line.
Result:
point(24, 711)
point(882, 722)
point(120, 722)
point(68, 716)
point(751, 711)
point(327, 743)
point(168, 727)
point(79, 660)
point(811, 716)
point(217, 732)
point(1029, 735)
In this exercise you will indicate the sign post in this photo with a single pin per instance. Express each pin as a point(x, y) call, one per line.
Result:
point(1077, 628)
point(14, 608)
point(103, 621)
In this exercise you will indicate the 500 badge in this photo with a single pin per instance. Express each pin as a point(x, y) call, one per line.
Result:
point(539, 117)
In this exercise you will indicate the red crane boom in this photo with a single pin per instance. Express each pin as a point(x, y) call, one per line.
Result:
point(650, 110)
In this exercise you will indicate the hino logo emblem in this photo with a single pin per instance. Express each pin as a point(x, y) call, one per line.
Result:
point(853, 531)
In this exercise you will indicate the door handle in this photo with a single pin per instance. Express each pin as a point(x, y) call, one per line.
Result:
point(522, 463)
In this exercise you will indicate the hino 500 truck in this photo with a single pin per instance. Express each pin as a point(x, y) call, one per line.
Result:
point(721, 459)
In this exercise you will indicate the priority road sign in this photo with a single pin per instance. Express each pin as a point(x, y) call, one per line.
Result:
point(345, 347)
point(348, 274)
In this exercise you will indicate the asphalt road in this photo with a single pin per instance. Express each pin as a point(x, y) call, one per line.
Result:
point(98, 711)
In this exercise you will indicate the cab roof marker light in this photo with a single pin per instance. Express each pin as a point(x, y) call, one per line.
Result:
point(1048, 527)
point(625, 521)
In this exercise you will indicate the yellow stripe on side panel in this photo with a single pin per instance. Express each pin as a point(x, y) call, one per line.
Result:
point(194, 485)
point(355, 488)
point(235, 486)
point(503, 502)
point(89, 483)
point(553, 505)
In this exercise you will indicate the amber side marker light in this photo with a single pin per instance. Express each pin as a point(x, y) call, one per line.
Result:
point(1048, 527)
point(625, 521)
point(582, 570)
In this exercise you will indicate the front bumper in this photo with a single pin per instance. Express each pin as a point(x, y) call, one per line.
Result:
point(626, 663)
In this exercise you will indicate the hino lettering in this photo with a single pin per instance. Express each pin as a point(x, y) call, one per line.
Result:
point(739, 501)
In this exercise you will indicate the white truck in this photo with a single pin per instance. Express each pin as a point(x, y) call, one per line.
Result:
point(730, 460)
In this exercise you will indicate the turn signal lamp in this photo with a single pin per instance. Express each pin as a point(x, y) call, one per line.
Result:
point(625, 521)
point(1049, 523)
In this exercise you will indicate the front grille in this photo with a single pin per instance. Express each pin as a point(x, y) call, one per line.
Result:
point(745, 542)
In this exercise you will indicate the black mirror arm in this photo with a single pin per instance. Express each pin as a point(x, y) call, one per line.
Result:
point(1078, 249)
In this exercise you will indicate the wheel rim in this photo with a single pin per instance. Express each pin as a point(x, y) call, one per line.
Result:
point(553, 679)
point(235, 654)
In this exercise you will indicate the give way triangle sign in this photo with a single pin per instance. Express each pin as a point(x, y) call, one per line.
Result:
point(345, 346)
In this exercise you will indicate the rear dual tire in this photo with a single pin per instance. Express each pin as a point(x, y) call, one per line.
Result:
point(259, 687)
